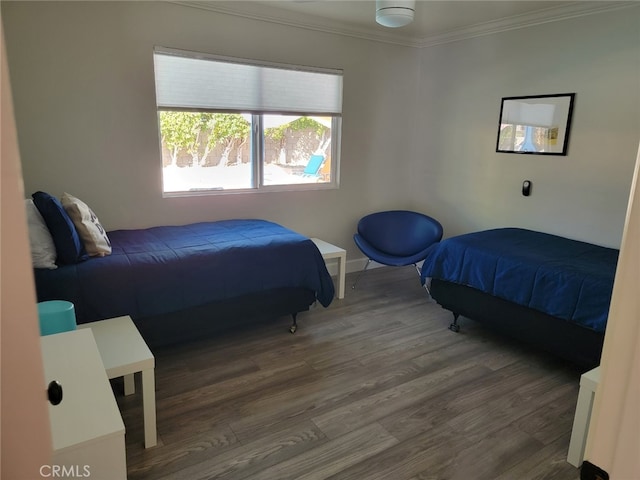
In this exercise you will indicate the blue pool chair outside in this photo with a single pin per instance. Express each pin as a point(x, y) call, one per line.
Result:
point(396, 238)
point(313, 166)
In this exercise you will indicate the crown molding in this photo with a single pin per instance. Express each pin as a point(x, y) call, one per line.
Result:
point(254, 11)
point(548, 15)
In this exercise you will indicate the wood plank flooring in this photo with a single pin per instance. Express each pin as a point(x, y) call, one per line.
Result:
point(373, 387)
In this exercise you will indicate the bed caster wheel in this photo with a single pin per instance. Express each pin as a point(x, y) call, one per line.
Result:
point(293, 328)
point(454, 327)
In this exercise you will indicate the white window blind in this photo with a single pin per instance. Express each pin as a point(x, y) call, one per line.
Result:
point(218, 83)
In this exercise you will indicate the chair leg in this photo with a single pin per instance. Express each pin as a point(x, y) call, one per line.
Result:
point(426, 284)
point(417, 269)
point(360, 274)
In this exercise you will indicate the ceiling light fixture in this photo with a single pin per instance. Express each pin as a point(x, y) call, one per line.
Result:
point(395, 13)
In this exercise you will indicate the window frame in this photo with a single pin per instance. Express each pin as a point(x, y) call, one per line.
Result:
point(257, 147)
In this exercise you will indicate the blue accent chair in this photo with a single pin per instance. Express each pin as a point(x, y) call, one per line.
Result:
point(396, 238)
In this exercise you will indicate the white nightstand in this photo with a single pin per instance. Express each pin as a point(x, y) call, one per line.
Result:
point(86, 427)
point(588, 385)
point(124, 353)
point(330, 251)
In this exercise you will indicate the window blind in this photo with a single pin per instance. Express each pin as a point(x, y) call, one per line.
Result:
point(219, 83)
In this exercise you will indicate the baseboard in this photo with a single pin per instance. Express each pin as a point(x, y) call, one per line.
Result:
point(352, 265)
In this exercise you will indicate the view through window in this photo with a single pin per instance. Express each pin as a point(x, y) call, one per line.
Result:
point(213, 151)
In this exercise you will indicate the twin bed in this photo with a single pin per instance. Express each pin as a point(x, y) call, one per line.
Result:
point(550, 291)
point(182, 282)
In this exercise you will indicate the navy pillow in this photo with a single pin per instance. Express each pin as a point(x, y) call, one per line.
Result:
point(69, 247)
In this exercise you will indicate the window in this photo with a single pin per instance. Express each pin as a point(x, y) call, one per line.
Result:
point(232, 125)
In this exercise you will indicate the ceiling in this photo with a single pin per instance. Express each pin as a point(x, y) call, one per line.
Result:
point(436, 21)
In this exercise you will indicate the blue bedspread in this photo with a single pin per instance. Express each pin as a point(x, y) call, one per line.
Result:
point(564, 278)
point(168, 269)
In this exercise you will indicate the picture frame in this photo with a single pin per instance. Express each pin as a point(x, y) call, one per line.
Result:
point(535, 124)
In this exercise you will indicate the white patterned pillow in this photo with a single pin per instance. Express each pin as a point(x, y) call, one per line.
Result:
point(43, 250)
point(89, 228)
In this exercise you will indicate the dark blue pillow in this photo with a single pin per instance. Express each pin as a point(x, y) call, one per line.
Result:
point(69, 247)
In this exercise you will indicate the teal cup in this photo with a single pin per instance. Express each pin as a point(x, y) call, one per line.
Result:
point(56, 316)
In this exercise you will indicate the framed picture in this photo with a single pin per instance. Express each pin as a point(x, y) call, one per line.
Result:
point(535, 125)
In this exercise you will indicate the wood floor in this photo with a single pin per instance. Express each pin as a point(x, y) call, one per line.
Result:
point(373, 387)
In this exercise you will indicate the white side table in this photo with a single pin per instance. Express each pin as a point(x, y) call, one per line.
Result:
point(87, 431)
point(124, 353)
point(588, 385)
point(330, 251)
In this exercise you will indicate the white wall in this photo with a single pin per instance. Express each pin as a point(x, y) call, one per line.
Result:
point(419, 125)
point(85, 109)
point(582, 195)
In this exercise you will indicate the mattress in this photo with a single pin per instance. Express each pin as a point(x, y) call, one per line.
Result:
point(166, 269)
point(564, 278)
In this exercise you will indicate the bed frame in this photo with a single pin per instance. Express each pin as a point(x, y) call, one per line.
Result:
point(184, 282)
point(572, 342)
point(232, 314)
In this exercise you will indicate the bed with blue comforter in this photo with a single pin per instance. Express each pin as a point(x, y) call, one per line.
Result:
point(162, 272)
point(549, 290)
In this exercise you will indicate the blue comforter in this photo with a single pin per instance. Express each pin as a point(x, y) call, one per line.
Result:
point(564, 278)
point(168, 269)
